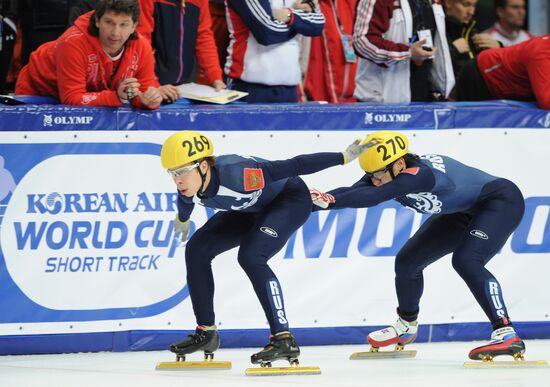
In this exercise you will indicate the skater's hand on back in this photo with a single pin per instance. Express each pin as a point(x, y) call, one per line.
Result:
point(355, 149)
point(181, 227)
point(321, 199)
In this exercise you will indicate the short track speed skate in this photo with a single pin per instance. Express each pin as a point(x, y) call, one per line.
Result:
point(206, 340)
point(401, 333)
point(504, 341)
point(281, 346)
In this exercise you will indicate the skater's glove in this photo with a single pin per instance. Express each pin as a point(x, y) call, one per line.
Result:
point(321, 199)
point(355, 150)
point(181, 227)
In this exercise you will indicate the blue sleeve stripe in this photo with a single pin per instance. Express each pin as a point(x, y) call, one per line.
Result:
point(312, 17)
point(262, 16)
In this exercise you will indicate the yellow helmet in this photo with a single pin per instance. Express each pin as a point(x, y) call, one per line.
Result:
point(185, 147)
point(394, 145)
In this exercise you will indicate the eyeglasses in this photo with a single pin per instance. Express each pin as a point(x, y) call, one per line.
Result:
point(181, 170)
point(379, 174)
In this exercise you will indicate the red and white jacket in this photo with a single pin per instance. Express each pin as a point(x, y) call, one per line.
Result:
point(383, 30)
point(518, 72)
point(262, 49)
point(328, 76)
point(75, 69)
point(508, 39)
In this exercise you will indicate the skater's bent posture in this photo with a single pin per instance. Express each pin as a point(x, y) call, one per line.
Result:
point(262, 204)
point(472, 215)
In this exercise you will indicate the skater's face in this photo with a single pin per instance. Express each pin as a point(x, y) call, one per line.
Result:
point(114, 31)
point(384, 176)
point(188, 179)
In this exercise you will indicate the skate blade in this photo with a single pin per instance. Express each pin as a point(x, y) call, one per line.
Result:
point(382, 355)
point(293, 370)
point(194, 365)
point(505, 364)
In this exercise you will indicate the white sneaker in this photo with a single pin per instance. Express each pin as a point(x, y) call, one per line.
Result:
point(401, 333)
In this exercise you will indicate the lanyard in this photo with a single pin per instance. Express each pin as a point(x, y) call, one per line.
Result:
point(115, 70)
point(335, 11)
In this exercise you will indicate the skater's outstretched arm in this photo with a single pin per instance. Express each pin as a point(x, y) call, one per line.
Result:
point(364, 194)
point(315, 162)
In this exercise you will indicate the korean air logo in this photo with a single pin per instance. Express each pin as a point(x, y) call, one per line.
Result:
point(480, 234)
point(269, 231)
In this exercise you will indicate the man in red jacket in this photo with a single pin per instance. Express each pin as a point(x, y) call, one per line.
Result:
point(517, 72)
point(332, 64)
point(99, 61)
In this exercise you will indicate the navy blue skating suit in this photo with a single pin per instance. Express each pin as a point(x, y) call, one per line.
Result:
point(262, 204)
point(473, 214)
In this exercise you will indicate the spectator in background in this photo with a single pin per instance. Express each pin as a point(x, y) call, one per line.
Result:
point(99, 61)
point(8, 33)
point(219, 28)
point(80, 7)
point(41, 21)
point(404, 50)
point(517, 72)
point(332, 64)
point(510, 20)
point(464, 41)
point(179, 31)
point(263, 54)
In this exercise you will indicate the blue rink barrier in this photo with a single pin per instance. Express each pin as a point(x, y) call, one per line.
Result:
point(305, 116)
point(138, 340)
point(242, 117)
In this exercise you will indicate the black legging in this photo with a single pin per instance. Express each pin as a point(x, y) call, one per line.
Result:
point(260, 236)
point(473, 239)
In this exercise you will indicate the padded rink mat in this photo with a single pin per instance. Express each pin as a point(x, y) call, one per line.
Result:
point(436, 364)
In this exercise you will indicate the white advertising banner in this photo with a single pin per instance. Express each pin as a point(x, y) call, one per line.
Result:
point(87, 243)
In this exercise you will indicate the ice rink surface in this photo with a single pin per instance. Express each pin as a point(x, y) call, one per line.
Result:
point(436, 364)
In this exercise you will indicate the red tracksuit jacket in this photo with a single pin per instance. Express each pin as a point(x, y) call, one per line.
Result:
point(75, 69)
point(519, 72)
point(329, 77)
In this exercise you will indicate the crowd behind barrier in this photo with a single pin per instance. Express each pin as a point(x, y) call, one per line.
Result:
point(62, 292)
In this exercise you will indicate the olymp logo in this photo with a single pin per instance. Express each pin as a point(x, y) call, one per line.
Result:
point(371, 118)
point(50, 120)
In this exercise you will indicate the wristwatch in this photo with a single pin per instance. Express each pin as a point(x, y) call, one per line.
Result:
point(288, 15)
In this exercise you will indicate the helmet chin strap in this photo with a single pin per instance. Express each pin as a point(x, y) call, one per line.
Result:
point(390, 170)
point(200, 192)
point(391, 173)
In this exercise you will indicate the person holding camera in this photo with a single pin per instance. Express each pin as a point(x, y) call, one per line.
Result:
point(401, 42)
